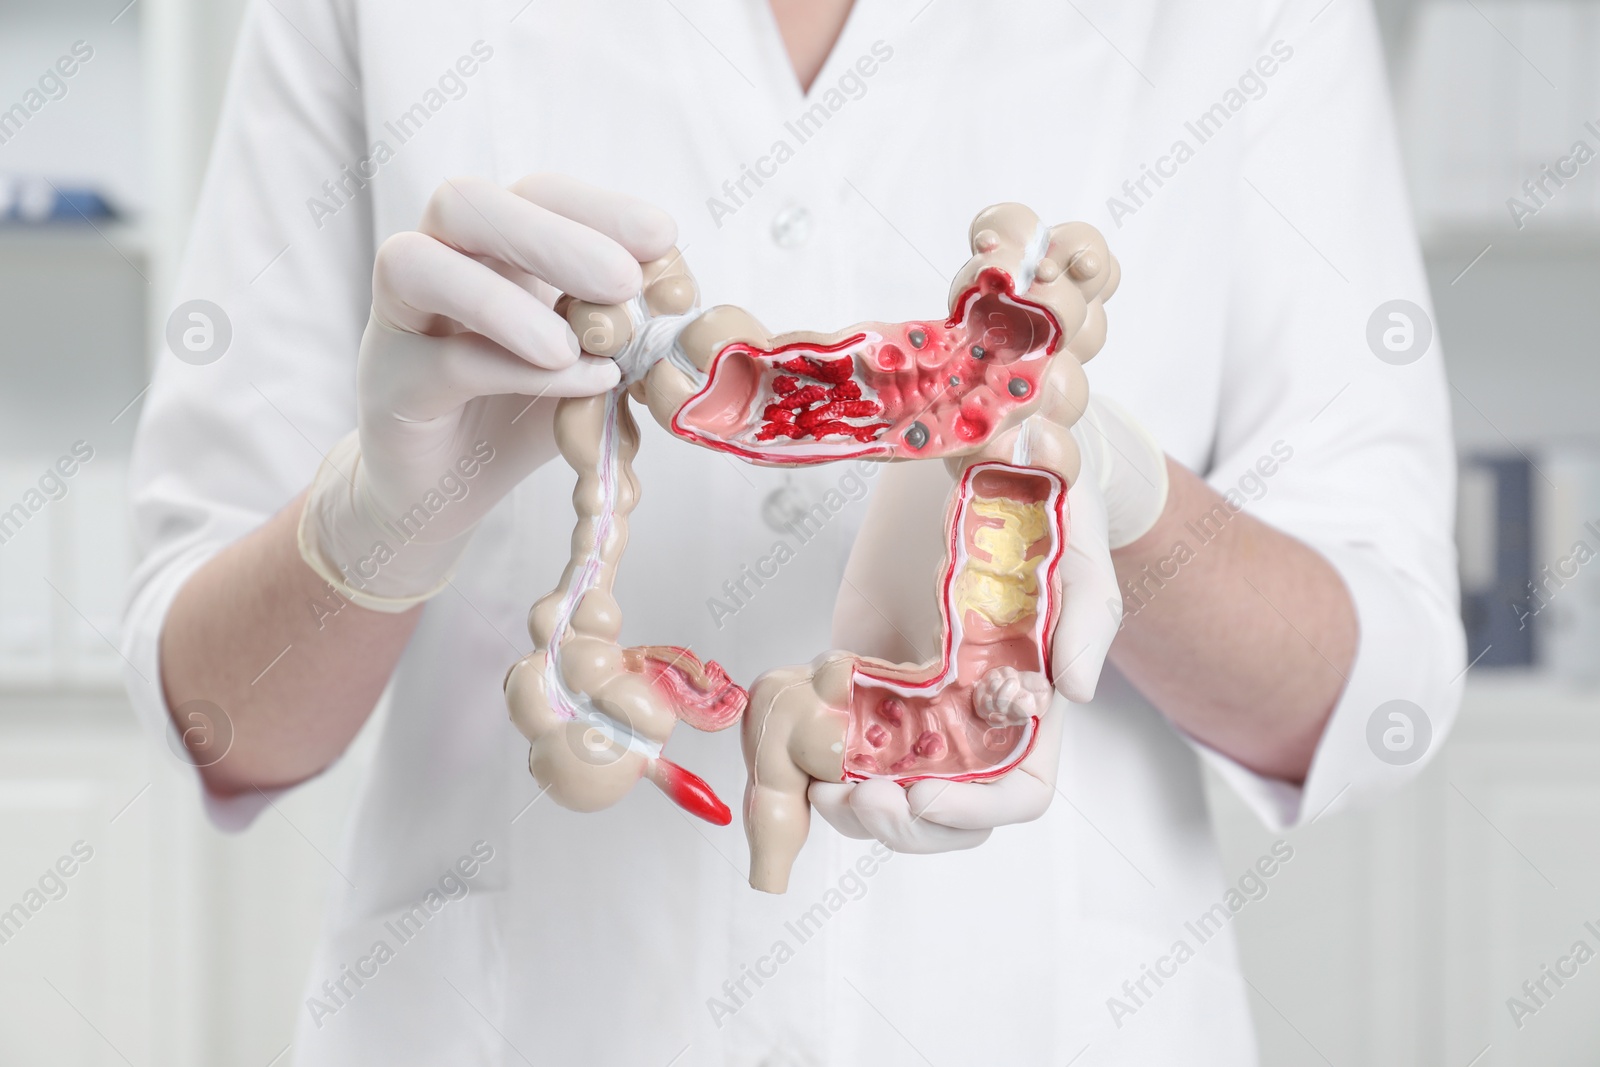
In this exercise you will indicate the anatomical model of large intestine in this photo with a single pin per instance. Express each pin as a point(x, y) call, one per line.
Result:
point(991, 389)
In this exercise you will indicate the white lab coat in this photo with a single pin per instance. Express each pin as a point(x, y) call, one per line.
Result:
point(1249, 276)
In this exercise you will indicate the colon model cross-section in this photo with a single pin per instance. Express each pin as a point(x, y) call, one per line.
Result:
point(992, 390)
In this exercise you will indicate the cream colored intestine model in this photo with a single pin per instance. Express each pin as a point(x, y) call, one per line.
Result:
point(597, 714)
point(983, 389)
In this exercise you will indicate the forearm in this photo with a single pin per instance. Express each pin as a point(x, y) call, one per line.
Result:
point(296, 669)
point(1239, 633)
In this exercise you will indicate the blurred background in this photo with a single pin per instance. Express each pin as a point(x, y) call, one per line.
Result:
point(1394, 937)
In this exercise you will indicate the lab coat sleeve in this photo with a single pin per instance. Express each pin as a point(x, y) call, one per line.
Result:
point(222, 445)
point(1316, 434)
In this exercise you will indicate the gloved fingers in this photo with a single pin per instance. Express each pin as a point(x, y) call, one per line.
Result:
point(482, 219)
point(472, 366)
point(1091, 602)
point(418, 378)
point(832, 801)
point(536, 287)
point(1022, 795)
point(1017, 797)
point(416, 279)
point(1045, 759)
point(884, 811)
point(646, 231)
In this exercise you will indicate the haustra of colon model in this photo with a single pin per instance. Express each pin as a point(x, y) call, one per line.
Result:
point(991, 389)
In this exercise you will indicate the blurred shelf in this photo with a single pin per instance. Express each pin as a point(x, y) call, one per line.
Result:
point(1531, 692)
point(1462, 243)
point(75, 239)
point(1517, 317)
point(1528, 710)
point(70, 11)
point(100, 704)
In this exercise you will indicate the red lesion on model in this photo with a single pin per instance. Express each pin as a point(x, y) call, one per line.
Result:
point(948, 385)
point(819, 409)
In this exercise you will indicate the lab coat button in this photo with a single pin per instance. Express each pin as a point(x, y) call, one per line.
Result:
point(791, 227)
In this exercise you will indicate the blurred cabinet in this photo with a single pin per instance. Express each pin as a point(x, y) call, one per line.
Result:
point(77, 881)
point(74, 307)
point(1493, 96)
point(171, 944)
point(1398, 935)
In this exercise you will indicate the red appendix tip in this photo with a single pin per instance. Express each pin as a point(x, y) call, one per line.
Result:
point(689, 791)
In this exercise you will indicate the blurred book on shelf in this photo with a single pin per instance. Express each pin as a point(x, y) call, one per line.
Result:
point(1528, 534)
point(1566, 580)
point(26, 200)
point(1494, 538)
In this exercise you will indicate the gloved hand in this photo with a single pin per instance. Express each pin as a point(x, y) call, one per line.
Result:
point(935, 815)
point(461, 346)
point(1120, 493)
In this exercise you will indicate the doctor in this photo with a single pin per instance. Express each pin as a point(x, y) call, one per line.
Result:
point(399, 189)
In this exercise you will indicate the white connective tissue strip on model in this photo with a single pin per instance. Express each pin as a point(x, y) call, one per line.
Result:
point(1032, 257)
point(567, 703)
point(655, 338)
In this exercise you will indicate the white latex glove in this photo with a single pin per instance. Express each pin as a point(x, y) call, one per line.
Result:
point(461, 344)
point(1129, 466)
point(941, 816)
point(1120, 493)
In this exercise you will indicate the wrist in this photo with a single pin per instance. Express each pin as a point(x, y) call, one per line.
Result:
point(354, 546)
point(1163, 529)
point(1131, 468)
